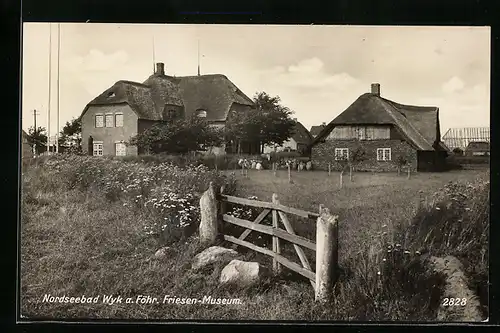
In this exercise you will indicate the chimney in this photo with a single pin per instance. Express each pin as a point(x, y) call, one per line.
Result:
point(160, 68)
point(376, 89)
point(323, 124)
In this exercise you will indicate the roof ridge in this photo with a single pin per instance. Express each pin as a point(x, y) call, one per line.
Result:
point(142, 85)
point(400, 105)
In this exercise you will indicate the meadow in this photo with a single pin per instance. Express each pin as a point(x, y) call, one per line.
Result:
point(91, 227)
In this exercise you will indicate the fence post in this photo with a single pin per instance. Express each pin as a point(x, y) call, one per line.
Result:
point(222, 210)
point(276, 241)
point(409, 171)
point(289, 174)
point(274, 168)
point(329, 169)
point(341, 180)
point(209, 223)
point(326, 254)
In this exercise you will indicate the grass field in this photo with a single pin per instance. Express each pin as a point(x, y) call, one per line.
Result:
point(82, 241)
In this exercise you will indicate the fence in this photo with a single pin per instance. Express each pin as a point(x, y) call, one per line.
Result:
point(214, 217)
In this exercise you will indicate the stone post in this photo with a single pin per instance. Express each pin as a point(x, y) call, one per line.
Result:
point(208, 208)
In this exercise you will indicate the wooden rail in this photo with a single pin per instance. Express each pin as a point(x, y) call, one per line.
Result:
point(213, 208)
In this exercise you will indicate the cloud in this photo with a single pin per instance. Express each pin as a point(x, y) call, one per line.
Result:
point(308, 74)
point(98, 61)
point(97, 71)
point(452, 85)
point(460, 106)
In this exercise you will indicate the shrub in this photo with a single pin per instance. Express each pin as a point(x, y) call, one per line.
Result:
point(166, 193)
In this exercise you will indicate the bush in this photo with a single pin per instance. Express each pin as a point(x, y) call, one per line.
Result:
point(166, 193)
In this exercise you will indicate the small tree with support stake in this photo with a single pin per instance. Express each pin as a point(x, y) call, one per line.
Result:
point(342, 163)
point(356, 156)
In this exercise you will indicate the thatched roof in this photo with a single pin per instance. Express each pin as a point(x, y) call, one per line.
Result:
point(301, 134)
point(315, 130)
point(420, 125)
point(212, 93)
point(479, 146)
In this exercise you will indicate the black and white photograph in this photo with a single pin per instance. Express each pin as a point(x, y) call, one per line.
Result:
point(216, 172)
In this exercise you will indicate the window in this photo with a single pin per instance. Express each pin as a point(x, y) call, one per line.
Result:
point(120, 149)
point(169, 114)
point(201, 113)
point(98, 148)
point(383, 154)
point(109, 120)
point(99, 120)
point(341, 153)
point(119, 120)
point(111, 94)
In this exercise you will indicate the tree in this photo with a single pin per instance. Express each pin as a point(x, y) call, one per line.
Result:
point(71, 136)
point(356, 156)
point(178, 136)
point(270, 123)
point(401, 161)
point(37, 138)
point(342, 163)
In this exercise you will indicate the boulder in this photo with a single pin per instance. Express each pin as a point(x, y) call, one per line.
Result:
point(212, 255)
point(258, 166)
point(241, 273)
point(309, 165)
point(253, 165)
point(163, 252)
point(300, 167)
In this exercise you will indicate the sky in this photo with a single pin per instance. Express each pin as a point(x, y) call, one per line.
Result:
point(317, 71)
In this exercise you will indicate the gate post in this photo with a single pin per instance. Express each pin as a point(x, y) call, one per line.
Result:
point(208, 208)
point(326, 254)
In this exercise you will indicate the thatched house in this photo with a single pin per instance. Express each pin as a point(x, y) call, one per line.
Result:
point(315, 130)
point(128, 108)
point(478, 148)
point(300, 141)
point(385, 130)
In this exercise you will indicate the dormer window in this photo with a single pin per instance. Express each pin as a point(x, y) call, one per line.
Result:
point(201, 113)
point(169, 114)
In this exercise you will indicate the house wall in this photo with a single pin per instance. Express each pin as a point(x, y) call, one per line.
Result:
point(324, 152)
point(109, 135)
point(290, 143)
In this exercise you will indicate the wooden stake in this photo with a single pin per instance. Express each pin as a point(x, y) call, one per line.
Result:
point(408, 172)
point(341, 184)
point(276, 241)
point(329, 169)
point(289, 174)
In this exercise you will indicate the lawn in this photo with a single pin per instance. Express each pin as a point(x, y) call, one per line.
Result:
point(81, 234)
point(364, 205)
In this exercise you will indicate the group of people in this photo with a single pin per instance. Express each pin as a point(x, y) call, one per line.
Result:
point(293, 163)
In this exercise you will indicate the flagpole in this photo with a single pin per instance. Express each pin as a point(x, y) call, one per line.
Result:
point(154, 68)
point(50, 81)
point(58, 85)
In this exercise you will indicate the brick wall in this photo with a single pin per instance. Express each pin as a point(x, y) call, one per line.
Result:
point(322, 153)
point(109, 135)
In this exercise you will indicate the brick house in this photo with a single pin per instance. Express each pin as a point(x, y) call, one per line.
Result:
point(384, 130)
point(300, 141)
point(128, 108)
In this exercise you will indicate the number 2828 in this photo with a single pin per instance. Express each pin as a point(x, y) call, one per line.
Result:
point(454, 301)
